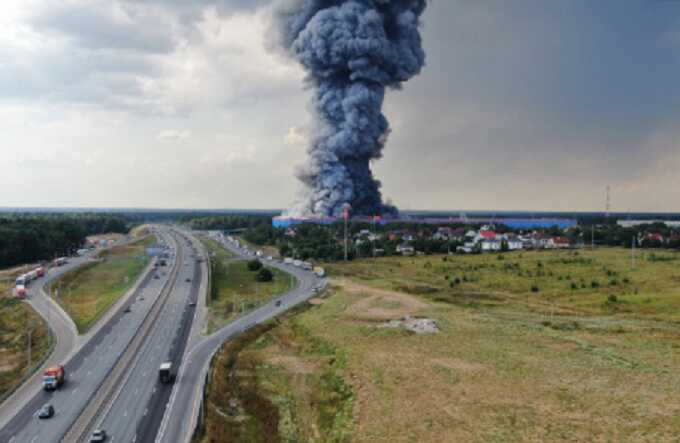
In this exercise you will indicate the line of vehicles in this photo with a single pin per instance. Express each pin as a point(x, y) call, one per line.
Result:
point(23, 280)
point(318, 270)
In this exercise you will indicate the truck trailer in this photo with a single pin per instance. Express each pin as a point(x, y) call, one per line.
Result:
point(54, 377)
point(165, 373)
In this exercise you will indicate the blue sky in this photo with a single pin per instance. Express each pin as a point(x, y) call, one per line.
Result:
point(522, 105)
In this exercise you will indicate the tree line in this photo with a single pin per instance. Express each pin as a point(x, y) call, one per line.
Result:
point(29, 238)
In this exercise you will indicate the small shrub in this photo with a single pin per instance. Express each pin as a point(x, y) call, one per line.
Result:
point(626, 280)
point(264, 275)
point(594, 284)
point(574, 286)
point(254, 265)
point(535, 288)
point(500, 257)
point(612, 298)
point(456, 281)
point(613, 282)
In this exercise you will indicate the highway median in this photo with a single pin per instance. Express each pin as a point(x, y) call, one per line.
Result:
point(87, 292)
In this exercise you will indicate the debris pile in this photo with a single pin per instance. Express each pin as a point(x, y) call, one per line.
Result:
point(417, 325)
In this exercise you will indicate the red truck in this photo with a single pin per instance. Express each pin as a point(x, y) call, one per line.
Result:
point(40, 271)
point(20, 291)
point(54, 377)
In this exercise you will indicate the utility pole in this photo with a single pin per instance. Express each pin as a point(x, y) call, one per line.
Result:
point(30, 331)
point(592, 237)
point(345, 214)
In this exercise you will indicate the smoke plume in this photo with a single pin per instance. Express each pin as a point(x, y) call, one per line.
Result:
point(352, 50)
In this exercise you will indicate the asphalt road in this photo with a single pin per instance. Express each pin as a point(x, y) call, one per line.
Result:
point(86, 370)
point(179, 422)
point(138, 408)
point(64, 332)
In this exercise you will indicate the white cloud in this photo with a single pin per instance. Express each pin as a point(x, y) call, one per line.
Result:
point(174, 134)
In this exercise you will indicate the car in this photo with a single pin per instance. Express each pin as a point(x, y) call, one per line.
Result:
point(98, 435)
point(192, 304)
point(47, 411)
point(187, 280)
point(278, 303)
point(156, 276)
point(127, 310)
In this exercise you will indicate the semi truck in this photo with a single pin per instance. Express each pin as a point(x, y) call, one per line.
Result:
point(54, 377)
point(40, 271)
point(319, 271)
point(20, 292)
point(165, 373)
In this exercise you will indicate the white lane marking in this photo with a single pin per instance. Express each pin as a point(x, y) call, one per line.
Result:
point(125, 413)
point(74, 392)
point(89, 373)
point(34, 439)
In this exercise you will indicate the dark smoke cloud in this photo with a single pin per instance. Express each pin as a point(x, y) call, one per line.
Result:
point(352, 50)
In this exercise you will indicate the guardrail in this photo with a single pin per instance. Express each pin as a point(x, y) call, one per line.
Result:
point(107, 392)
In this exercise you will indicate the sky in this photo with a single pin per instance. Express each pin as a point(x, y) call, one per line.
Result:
point(523, 105)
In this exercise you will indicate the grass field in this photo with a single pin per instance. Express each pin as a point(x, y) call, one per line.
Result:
point(16, 318)
point(88, 292)
point(233, 286)
point(532, 347)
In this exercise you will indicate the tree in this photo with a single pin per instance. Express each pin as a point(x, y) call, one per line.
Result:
point(264, 275)
point(254, 265)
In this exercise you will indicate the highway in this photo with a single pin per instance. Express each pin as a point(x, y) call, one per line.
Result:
point(87, 368)
point(64, 332)
point(181, 416)
point(139, 404)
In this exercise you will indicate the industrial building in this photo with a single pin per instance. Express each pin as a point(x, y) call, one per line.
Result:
point(513, 223)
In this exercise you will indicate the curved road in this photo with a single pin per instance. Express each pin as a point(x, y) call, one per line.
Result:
point(90, 360)
point(180, 420)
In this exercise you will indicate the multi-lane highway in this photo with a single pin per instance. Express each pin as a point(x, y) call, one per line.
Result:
point(64, 332)
point(113, 373)
point(86, 370)
point(180, 419)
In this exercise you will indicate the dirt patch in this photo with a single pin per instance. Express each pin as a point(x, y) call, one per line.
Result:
point(292, 364)
point(380, 304)
point(316, 301)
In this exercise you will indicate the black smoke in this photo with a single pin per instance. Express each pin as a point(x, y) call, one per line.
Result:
point(352, 50)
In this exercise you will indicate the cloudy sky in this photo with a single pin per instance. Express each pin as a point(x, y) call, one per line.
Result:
point(524, 104)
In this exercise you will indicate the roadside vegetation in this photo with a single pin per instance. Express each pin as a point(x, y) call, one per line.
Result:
point(16, 319)
point(236, 288)
point(88, 292)
point(542, 346)
point(32, 238)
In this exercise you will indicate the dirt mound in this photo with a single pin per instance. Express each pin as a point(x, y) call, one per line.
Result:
point(380, 304)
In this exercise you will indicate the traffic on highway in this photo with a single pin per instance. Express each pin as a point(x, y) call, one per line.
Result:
point(139, 374)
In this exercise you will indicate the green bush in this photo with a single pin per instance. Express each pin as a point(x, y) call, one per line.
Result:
point(594, 284)
point(612, 298)
point(535, 288)
point(254, 265)
point(264, 275)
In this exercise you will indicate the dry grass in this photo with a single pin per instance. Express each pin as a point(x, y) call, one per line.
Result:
point(16, 318)
point(508, 365)
point(233, 286)
point(88, 292)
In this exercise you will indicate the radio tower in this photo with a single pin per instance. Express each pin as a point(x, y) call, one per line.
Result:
point(608, 204)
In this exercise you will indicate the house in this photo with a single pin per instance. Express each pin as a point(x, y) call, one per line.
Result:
point(484, 235)
point(405, 249)
point(514, 242)
point(559, 243)
point(654, 237)
point(493, 244)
